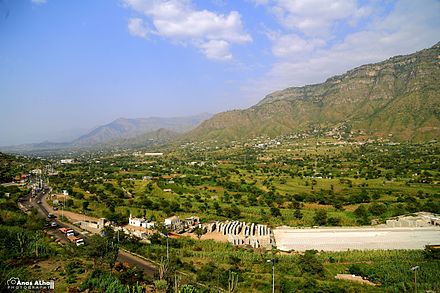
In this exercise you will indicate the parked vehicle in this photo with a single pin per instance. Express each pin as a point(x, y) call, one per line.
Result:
point(54, 224)
point(51, 216)
point(75, 240)
point(68, 232)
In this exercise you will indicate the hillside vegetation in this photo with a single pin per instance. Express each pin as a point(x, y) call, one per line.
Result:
point(399, 96)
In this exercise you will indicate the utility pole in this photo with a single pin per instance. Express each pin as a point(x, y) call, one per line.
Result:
point(273, 273)
point(414, 269)
point(168, 252)
point(64, 205)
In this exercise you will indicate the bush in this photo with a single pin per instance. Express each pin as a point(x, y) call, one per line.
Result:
point(320, 217)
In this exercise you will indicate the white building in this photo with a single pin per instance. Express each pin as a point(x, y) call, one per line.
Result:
point(140, 222)
point(173, 221)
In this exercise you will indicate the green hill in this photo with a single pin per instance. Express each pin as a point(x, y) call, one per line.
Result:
point(399, 96)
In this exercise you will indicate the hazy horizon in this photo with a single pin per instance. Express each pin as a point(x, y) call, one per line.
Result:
point(67, 67)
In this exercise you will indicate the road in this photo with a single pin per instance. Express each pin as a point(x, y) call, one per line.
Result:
point(31, 201)
point(147, 267)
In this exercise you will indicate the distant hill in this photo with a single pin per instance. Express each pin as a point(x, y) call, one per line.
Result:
point(399, 96)
point(161, 135)
point(123, 128)
point(123, 133)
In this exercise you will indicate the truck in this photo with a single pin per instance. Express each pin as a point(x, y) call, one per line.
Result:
point(67, 231)
point(75, 240)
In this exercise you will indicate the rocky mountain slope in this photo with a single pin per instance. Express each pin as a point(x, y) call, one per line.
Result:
point(399, 96)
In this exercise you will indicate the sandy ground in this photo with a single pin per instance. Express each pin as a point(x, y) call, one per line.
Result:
point(73, 217)
point(354, 279)
point(215, 236)
point(208, 236)
point(339, 239)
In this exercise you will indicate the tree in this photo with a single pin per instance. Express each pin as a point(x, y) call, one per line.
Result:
point(377, 209)
point(85, 205)
point(103, 250)
point(360, 197)
point(275, 212)
point(362, 215)
point(298, 214)
point(232, 212)
point(320, 217)
point(361, 211)
point(333, 221)
point(310, 264)
point(69, 202)
point(199, 232)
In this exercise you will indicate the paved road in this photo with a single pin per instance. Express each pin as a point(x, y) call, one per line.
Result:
point(31, 201)
point(147, 267)
point(338, 239)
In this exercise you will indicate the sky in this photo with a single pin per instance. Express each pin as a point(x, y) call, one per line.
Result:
point(69, 66)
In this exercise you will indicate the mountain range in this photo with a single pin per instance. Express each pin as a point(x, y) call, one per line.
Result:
point(123, 132)
point(124, 129)
point(398, 97)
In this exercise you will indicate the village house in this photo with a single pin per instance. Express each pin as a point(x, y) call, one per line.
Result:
point(172, 222)
point(140, 222)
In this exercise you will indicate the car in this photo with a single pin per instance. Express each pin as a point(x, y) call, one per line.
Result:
point(51, 216)
point(39, 202)
point(55, 208)
point(54, 224)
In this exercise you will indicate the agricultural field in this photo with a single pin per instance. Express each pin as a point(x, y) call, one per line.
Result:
point(298, 183)
point(293, 183)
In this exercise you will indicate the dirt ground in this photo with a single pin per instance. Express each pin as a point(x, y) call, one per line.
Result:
point(71, 216)
point(354, 279)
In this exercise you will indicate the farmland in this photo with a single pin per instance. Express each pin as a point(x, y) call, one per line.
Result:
point(284, 181)
point(283, 184)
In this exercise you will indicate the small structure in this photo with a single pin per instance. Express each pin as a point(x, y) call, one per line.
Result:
point(241, 233)
point(153, 154)
point(172, 222)
point(420, 219)
point(191, 221)
point(140, 222)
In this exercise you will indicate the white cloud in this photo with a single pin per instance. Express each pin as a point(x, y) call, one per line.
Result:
point(291, 45)
point(137, 28)
point(317, 17)
point(216, 50)
point(259, 2)
point(180, 22)
point(39, 2)
point(407, 28)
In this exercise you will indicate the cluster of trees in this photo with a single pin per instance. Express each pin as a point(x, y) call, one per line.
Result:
point(22, 238)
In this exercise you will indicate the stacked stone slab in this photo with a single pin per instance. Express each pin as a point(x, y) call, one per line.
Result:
point(242, 233)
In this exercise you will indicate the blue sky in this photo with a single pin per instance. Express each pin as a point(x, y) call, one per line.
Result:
point(67, 66)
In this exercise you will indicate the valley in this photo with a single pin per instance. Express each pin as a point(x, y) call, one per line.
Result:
point(330, 187)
